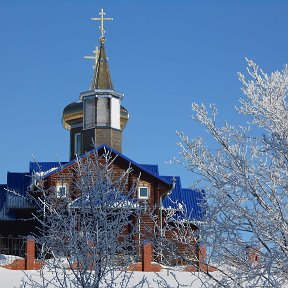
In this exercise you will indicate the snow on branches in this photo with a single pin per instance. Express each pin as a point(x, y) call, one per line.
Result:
point(246, 180)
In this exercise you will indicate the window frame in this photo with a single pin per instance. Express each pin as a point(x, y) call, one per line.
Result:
point(58, 194)
point(89, 110)
point(139, 194)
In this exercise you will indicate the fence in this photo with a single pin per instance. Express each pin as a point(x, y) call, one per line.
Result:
point(18, 253)
point(11, 248)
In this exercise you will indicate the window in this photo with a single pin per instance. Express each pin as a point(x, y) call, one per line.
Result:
point(89, 113)
point(61, 190)
point(143, 192)
point(77, 144)
point(103, 112)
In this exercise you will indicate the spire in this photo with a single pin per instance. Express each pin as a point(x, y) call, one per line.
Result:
point(101, 78)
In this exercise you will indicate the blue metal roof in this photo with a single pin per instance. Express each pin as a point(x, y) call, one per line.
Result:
point(44, 166)
point(174, 198)
point(191, 201)
point(152, 168)
point(174, 195)
point(18, 182)
point(195, 202)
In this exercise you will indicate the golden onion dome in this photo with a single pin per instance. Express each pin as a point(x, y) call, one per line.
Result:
point(124, 116)
point(72, 114)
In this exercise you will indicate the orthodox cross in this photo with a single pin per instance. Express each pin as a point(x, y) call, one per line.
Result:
point(102, 19)
point(96, 52)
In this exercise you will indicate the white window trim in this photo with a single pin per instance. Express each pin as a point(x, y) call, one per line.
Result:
point(62, 185)
point(148, 192)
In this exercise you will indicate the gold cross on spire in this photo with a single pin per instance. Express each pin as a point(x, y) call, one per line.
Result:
point(102, 19)
point(96, 52)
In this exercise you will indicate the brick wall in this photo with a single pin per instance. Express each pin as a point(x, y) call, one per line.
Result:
point(29, 263)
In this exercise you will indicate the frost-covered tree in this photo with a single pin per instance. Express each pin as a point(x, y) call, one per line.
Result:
point(245, 176)
point(176, 238)
point(88, 236)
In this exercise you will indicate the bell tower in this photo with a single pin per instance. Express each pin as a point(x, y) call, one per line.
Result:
point(98, 117)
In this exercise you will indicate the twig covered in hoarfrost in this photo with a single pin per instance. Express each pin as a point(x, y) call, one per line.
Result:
point(84, 236)
point(245, 176)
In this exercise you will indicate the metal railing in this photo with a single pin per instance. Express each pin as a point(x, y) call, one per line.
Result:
point(11, 248)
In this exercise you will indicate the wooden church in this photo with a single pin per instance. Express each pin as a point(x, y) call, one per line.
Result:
point(95, 123)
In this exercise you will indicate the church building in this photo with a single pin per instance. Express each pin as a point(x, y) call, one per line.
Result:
point(96, 122)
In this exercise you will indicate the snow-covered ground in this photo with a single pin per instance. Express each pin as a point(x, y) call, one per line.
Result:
point(9, 278)
point(175, 279)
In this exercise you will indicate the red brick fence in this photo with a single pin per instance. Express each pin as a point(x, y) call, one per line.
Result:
point(148, 266)
point(24, 250)
point(27, 249)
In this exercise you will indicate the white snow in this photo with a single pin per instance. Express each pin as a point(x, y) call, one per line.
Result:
point(13, 278)
point(10, 278)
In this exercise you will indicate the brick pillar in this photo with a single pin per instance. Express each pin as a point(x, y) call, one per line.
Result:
point(30, 253)
point(147, 250)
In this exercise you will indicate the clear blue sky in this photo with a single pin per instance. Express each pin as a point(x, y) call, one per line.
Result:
point(163, 55)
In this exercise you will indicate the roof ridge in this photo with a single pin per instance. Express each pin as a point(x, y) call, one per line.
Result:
point(117, 153)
